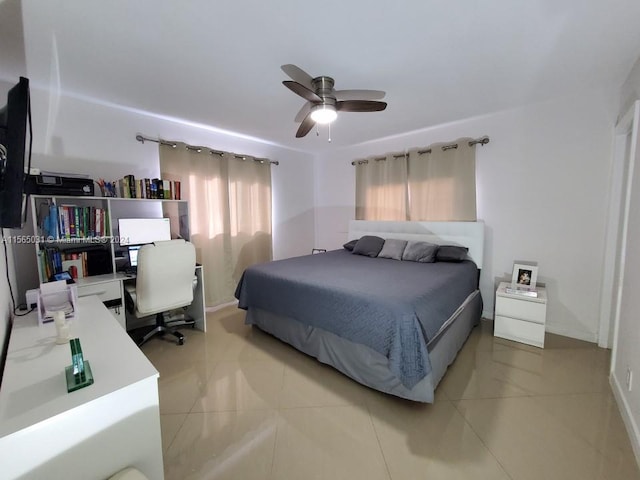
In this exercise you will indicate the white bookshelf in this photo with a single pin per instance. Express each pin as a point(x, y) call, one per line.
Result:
point(114, 209)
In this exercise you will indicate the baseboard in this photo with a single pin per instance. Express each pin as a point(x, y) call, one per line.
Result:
point(569, 332)
point(627, 418)
point(221, 306)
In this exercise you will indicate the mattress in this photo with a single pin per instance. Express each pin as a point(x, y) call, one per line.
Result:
point(390, 307)
point(365, 365)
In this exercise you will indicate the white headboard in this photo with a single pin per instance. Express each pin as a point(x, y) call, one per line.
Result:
point(466, 234)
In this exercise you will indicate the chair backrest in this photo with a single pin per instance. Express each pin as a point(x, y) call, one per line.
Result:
point(165, 276)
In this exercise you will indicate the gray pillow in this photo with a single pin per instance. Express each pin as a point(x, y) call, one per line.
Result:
point(451, 253)
point(423, 252)
point(350, 244)
point(393, 248)
point(369, 246)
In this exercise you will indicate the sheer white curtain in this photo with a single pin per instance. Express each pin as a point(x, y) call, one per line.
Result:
point(250, 214)
point(381, 188)
point(442, 182)
point(437, 183)
point(229, 212)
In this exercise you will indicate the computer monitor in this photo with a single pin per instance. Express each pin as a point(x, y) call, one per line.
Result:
point(133, 256)
point(138, 231)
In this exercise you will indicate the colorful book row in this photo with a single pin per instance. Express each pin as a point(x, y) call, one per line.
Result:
point(53, 261)
point(70, 221)
point(154, 188)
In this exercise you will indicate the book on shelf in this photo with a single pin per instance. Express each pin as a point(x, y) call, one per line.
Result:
point(159, 188)
point(148, 188)
point(177, 194)
point(50, 223)
point(166, 188)
point(131, 182)
point(141, 190)
point(72, 221)
point(521, 290)
point(52, 261)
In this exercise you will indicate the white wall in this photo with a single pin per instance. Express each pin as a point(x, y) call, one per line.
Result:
point(82, 136)
point(542, 187)
point(626, 354)
point(5, 299)
point(630, 90)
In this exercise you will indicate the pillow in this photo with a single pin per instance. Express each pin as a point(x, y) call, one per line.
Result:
point(350, 244)
point(368, 246)
point(423, 252)
point(393, 248)
point(451, 253)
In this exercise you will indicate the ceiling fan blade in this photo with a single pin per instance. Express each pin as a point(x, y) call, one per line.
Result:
point(299, 75)
point(360, 106)
point(305, 127)
point(301, 90)
point(359, 94)
point(304, 111)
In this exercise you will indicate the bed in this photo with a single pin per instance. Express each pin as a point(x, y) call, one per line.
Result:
point(392, 325)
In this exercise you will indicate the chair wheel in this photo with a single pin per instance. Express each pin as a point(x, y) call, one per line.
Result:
point(181, 341)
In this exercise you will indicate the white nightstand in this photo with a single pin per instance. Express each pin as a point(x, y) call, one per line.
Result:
point(520, 318)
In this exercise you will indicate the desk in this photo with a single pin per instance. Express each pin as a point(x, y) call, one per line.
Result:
point(93, 432)
point(109, 287)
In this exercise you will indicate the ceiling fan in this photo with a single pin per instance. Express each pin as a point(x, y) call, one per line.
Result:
point(323, 101)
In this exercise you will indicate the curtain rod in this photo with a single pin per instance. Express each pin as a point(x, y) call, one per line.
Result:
point(482, 141)
point(166, 143)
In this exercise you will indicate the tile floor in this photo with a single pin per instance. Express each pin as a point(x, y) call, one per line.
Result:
point(238, 404)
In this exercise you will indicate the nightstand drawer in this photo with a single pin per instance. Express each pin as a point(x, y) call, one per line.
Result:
point(519, 331)
point(106, 290)
point(521, 309)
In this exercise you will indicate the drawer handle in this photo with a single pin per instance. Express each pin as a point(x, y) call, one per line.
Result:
point(101, 292)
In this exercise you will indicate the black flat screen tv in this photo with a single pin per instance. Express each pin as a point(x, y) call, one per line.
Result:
point(15, 119)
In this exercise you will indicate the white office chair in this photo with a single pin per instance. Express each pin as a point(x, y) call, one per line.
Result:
point(164, 281)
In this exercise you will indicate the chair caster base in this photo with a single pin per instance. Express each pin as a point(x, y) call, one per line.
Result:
point(178, 335)
point(161, 329)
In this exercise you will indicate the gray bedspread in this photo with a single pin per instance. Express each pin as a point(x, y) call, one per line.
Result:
point(391, 306)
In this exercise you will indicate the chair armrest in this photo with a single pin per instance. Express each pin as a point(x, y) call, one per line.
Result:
point(130, 298)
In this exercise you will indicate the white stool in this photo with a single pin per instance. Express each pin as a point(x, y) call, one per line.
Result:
point(128, 474)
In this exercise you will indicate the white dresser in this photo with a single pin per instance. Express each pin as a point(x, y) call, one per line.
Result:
point(90, 433)
point(520, 318)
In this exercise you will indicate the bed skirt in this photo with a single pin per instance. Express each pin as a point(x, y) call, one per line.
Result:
point(365, 365)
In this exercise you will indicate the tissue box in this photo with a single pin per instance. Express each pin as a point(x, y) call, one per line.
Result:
point(56, 296)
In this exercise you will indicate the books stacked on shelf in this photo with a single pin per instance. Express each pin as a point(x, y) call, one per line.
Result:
point(52, 260)
point(71, 221)
point(521, 290)
point(149, 188)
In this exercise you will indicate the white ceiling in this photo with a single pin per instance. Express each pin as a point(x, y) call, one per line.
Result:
point(218, 62)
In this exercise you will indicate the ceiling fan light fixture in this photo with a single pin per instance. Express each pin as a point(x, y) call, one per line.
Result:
point(323, 114)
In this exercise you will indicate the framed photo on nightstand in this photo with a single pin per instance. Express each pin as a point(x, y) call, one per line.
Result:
point(524, 276)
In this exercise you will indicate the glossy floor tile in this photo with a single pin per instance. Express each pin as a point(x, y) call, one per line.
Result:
point(224, 445)
point(236, 403)
point(328, 443)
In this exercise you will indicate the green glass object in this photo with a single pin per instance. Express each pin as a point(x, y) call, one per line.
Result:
point(79, 372)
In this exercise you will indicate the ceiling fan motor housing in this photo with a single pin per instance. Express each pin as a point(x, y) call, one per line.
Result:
point(322, 100)
point(323, 87)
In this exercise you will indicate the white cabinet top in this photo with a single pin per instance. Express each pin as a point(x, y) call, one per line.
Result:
point(34, 384)
point(104, 278)
point(541, 298)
